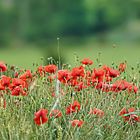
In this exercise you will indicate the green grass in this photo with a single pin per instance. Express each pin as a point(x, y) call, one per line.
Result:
point(26, 56)
point(22, 57)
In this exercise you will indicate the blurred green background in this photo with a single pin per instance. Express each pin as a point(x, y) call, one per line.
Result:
point(29, 30)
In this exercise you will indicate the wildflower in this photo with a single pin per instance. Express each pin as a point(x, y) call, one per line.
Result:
point(98, 72)
point(97, 112)
point(3, 67)
point(80, 86)
point(73, 107)
point(87, 61)
point(18, 82)
point(78, 123)
point(113, 73)
point(97, 75)
point(41, 116)
point(1, 86)
point(5, 80)
point(129, 115)
point(77, 72)
point(135, 88)
point(63, 76)
point(50, 68)
point(17, 86)
point(40, 70)
point(16, 74)
point(122, 67)
point(18, 90)
point(26, 75)
point(55, 113)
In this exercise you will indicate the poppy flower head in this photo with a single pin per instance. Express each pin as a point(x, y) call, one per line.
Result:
point(41, 116)
point(26, 75)
point(129, 115)
point(3, 67)
point(87, 61)
point(97, 112)
point(80, 86)
point(18, 82)
point(77, 123)
point(113, 72)
point(1, 86)
point(63, 76)
point(122, 67)
point(50, 68)
point(5, 80)
point(98, 72)
point(41, 70)
point(17, 91)
point(78, 72)
point(73, 107)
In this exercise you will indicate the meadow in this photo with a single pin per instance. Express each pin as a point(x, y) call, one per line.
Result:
point(94, 97)
point(108, 52)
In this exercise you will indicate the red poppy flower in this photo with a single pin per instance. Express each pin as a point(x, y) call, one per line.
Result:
point(135, 88)
point(3, 67)
point(122, 67)
point(73, 82)
point(5, 80)
point(55, 113)
point(73, 107)
point(129, 115)
point(41, 70)
point(26, 75)
point(98, 72)
point(80, 86)
point(113, 73)
point(106, 87)
point(41, 116)
point(63, 76)
point(97, 112)
point(16, 74)
point(78, 123)
point(87, 61)
point(50, 68)
point(18, 90)
point(1, 86)
point(98, 75)
point(108, 78)
point(77, 72)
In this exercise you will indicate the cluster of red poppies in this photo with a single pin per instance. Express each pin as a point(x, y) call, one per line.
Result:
point(16, 86)
point(80, 78)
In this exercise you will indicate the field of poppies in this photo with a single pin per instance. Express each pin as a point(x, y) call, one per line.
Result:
point(59, 102)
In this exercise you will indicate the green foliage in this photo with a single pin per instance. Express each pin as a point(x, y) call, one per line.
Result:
point(37, 20)
point(6, 22)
